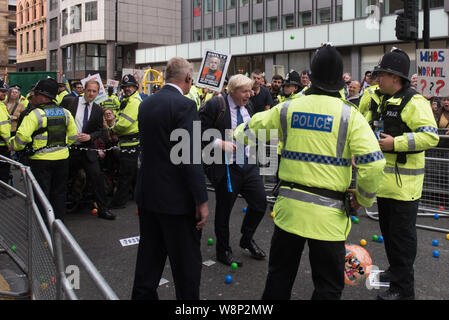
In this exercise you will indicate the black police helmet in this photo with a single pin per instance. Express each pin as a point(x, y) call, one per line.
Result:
point(129, 80)
point(395, 62)
point(47, 87)
point(3, 86)
point(327, 69)
point(292, 77)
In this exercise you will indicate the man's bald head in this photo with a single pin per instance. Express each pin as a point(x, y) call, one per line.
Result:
point(354, 88)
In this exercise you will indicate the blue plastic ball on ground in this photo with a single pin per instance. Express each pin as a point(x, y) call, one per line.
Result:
point(436, 253)
point(228, 279)
point(380, 239)
point(244, 209)
point(435, 243)
point(352, 218)
point(436, 216)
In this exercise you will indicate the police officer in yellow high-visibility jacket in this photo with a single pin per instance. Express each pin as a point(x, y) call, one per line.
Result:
point(112, 101)
point(127, 130)
point(406, 126)
point(62, 92)
point(321, 133)
point(371, 95)
point(47, 130)
point(194, 95)
point(5, 133)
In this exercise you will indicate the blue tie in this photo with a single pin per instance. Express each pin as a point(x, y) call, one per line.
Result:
point(240, 121)
point(86, 116)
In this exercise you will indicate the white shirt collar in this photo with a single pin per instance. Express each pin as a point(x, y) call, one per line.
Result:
point(177, 87)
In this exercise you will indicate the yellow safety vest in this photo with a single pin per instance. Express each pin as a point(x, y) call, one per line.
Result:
point(126, 125)
point(61, 96)
point(368, 95)
point(405, 181)
point(35, 120)
point(195, 96)
point(320, 135)
point(5, 125)
point(112, 102)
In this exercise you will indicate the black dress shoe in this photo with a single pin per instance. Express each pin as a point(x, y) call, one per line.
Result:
point(392, 295)
point(254, 249)
point(385, 276)
point(226, 258)
point(106, 214)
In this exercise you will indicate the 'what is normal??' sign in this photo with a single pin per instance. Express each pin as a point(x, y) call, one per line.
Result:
point(433, 70)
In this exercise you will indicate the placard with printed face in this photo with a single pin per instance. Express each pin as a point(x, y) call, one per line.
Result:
point(433, 69)
point(213, 70)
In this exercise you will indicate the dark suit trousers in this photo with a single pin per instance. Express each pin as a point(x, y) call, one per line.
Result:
point(327, 259)
point(397, 221)
point(79, 159)
point(52, 176)
point(175, 236)
point(248, 183)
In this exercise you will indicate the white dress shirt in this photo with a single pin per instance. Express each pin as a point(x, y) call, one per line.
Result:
point(79, 117)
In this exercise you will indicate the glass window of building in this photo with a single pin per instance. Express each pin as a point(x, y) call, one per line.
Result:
point(207, 34)
point(338, 10)
point(12, 55)
point(11, 27)
point(65, 21)
point(75, 18)
point(90, 11)
point(231, 30)
point(41, 34)
point(219, 32)
point(34, 40)
point(207, 6)
point(363, 7)
point(42, 8)
point(53, 60)
point(230, 4)
point(436, 3)
point(67, 59)
point(53, 4)
point(196, 35)
point(288, 21)
point(257, 26)
point(272, 24)
point(323, 11)
point(21, 44)
point(80, 56)
point(27, 43)
point(54, 29)
point(244, 28)
point(305, 13)
point(390, 6)
point(96, 57)
point(218, 5)
point(34, 10)
point(196, 8)
point(27, 12)
point(243, 3)
point(257, 1)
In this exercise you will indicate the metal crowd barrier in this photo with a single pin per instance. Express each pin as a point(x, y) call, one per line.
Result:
point(31, 245)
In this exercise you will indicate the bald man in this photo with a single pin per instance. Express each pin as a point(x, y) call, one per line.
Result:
point(354, 92)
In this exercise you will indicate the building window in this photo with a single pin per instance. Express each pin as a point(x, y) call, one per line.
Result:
point(65, 21)
point(53, 29)
point(34, 10)
point(42, 38)
point(207, 34)
point(34, 40)
point(53, 60)
point(323, 15)
point(53, 4)
point(12, 55)
point(362, 7)
point(91, 11)
point(42, 9)
point(244, 28)
point(196, 35)
point(20, 13)
point(305, 13)
point(257, 26)
point(27, 44)
point(75, 19)
point(244, 3)
point(272, 24)
point(219, 32)
point(27, 12)
point(338, 11)
point(96, 57)
point(231, 30)
point(288, 21)
point(196, 8)
point(12, 4)
point(80, 57)
point(230, 4)
point(257, 1)
point(207, 6)
point(218, 5)
point(21, 44)
point(11, 27)
point(436, 3)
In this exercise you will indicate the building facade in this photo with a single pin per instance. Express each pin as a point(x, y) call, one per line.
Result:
point(7, 36)
point(82, 34)
point(31, 35)
point(277, 36)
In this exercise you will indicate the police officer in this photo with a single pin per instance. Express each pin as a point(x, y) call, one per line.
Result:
point(320, 133)
point(405, 124)
point(194, 95)
point(112, 101)
point(371, 95)
point(62, 92)
point(5, 133)
point(47, 130)
point(290, 87)
point(127, 131)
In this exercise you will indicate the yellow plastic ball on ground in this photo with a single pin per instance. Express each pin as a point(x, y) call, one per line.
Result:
point(363, 242)
point(447, 236)
point(272, 214)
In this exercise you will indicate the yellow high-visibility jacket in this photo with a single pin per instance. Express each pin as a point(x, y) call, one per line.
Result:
point(5, 125)
point(126, 125)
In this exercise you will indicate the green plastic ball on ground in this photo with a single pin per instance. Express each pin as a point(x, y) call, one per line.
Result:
point(14, 248)
point(234, 266)
point(356, 220)
point(375, 238)
point(210, 241)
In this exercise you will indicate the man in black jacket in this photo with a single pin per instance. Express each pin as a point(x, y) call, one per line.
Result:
point(171, 196)
point(225, 114)
point(89, 123)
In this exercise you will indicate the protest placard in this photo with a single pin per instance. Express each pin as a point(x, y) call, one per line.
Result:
point(432, 69)
point(102, 94)
point(213, 70)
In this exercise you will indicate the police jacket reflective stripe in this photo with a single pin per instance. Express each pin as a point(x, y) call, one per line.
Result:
point(320, 134)
point(126, 126)
point(112, 102)
point(48, 131)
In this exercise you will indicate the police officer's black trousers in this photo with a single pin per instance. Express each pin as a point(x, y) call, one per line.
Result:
point(248, 183)
point(4, 167)
point(52, 176)
point(127, 174)
point(327, 259)
point(171, 235)
point(397, 220)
